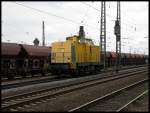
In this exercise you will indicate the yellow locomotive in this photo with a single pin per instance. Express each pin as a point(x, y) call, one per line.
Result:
point(77, 54)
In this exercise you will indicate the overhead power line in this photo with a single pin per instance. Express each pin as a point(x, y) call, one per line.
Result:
point(106, 14)
point(19, 29)
point(99, 10)
point(123, 13)
point(51, 14)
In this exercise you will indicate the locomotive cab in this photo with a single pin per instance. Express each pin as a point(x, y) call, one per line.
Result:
point(62, 54)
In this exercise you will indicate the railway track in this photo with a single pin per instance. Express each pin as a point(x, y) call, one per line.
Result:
point(122, 108)
point(13, 102)
point(19, 77)
point(60, 83)
point(24, 82)
point(38, 80)
point(112, 101)
point(4, 79)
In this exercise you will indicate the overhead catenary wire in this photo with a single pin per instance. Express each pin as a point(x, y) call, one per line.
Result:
point(123, 13)
point(51, 14)
point(127, 28)
point(73, 20)
point(82, 21)
point(20, 29)
point(11, 27)
point(107, 14)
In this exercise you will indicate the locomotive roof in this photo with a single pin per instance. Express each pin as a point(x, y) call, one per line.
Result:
point(36, 50)
point(11, 49)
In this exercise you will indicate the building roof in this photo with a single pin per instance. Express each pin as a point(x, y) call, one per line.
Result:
point(11, 49)
point(37, 50)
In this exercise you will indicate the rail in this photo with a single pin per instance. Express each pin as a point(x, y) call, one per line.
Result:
point(40, 95)
point(86, 105)
point(123, 107)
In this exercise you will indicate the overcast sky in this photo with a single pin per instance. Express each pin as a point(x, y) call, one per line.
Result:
point(22, 22)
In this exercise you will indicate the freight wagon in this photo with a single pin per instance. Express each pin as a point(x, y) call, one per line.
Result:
point(22, 60)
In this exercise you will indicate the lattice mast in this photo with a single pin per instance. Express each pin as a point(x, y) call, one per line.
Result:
point(103, 34)
point(117, 29)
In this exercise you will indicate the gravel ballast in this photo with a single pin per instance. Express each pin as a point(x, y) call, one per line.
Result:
point(74, 99)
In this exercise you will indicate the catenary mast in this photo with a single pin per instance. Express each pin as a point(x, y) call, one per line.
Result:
point(103, 34)
point(117, 29)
